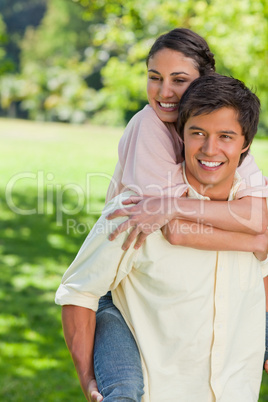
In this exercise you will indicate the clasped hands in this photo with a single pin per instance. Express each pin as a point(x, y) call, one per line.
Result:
point(147, 215)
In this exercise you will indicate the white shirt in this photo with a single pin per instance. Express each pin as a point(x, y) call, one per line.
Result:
point(198, 316)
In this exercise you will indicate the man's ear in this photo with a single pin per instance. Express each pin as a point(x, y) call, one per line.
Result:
point(246, 148)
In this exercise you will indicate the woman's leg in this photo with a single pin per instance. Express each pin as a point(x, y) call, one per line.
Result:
point(117, 361)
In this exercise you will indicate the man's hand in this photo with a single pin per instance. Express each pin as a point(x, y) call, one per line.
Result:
point(93, 394)
point(148, 215)
point(266, 366)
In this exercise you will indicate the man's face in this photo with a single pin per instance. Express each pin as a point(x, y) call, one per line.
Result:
point(213, 145)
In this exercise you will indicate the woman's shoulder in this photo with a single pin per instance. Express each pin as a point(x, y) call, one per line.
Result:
point(145, 115)
point(144, 123)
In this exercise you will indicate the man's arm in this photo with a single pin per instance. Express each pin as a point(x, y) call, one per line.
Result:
point(99, 266)
point(79, 329)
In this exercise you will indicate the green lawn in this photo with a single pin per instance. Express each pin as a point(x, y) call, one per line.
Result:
point(52, 187)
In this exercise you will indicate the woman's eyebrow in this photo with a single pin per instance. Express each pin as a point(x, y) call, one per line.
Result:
point(175, 73)
point(153, 71)
point(180, 72)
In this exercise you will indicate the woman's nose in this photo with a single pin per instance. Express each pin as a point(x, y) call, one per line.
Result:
point(166, 90)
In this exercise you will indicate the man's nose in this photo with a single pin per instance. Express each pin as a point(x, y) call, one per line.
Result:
point(210, 146)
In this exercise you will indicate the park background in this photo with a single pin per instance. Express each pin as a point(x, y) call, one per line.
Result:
point(72, 73)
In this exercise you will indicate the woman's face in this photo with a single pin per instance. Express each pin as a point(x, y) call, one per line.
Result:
point(169, 75)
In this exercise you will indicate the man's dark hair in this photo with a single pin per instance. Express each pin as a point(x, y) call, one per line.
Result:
point(212, 92)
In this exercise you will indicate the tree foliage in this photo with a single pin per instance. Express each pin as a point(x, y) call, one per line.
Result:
point(86, 58)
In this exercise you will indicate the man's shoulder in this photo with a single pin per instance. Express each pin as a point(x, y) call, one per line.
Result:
point(116, 202)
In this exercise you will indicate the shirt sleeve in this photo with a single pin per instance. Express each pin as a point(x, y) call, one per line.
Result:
point(100, 264)
point(254, 184)
point(148, 157)
point(264, 267)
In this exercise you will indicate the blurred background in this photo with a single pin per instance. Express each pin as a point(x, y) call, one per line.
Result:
point(83, 60)
point(72, 73)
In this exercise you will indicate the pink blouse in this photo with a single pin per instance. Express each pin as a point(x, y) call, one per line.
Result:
point(150, 161)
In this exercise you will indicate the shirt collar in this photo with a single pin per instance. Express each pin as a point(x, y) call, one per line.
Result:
point(192, 193)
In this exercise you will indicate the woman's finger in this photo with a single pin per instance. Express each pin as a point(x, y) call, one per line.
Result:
point(132, 200)
point(131, 237)
point(120, 229)
point(141, 238)
point(119, 212)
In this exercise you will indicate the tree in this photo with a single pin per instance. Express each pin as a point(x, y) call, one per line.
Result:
point(18, 15)
point(85, 59)
point(125, 29)
point(52, 82)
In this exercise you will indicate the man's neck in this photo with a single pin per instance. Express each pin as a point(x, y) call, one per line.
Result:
point(214, 193)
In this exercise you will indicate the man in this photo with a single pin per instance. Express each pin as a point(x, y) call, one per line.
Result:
point(198, 316)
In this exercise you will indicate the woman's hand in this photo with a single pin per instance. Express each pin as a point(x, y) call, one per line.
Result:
point(147, 215)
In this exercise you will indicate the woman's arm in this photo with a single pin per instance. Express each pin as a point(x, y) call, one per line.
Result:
point(205, 237)
point(247, 215)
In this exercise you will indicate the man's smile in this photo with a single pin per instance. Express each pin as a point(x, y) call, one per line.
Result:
point(209, 164)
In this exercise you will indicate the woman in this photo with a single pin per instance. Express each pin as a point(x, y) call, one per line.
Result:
point(151, 145)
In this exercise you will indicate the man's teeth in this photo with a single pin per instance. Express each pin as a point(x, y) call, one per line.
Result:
point(210, 164)
point(167, 105)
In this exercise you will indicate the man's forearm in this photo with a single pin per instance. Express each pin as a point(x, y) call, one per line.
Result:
point(79, 329)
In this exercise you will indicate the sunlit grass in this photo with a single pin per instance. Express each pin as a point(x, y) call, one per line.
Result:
point(43, 167)
point(47, 172)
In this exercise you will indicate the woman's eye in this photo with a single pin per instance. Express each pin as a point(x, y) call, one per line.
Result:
point(154, 78)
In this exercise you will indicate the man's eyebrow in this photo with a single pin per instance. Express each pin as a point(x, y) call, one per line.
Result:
point(196, 128)
point(221, 131)
point(175, 73)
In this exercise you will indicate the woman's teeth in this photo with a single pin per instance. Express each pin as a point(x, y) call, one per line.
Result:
point(168, 105)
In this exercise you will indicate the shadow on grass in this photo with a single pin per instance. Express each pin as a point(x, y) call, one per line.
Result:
point(35, 251)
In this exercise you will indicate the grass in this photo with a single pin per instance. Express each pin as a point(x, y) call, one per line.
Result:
point(52, 187)
point(42, 167)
